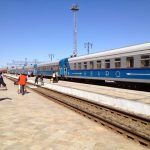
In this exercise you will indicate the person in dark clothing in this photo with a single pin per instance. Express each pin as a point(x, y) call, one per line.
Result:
point(2, 81)
point(36, 80)
point(41, 79)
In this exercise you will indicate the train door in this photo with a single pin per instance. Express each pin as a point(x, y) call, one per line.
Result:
point(60, 70)
point(65, 70)
point(63, 67)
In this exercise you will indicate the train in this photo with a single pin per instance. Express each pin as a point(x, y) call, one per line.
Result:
point(122, 65)
point(3, 70)
point(28, 70)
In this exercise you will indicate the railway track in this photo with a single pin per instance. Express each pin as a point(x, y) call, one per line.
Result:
point(131, 126)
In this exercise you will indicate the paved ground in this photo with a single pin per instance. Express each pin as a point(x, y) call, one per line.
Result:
point(31, 122)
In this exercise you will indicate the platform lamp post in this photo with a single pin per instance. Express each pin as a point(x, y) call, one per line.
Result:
point(74, 9)
point(88, 45)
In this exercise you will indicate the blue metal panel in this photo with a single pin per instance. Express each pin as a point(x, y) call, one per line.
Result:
point(45, 72)
point(63, 67)
point(138, 73)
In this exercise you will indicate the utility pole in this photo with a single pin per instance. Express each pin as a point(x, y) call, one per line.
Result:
point(35, 61)
point(88, 45)
point(74, 9)
point(51, 56)
point(25, 62)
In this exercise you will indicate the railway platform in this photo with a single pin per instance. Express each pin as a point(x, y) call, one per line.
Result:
point(131, 101)
point(32, 122)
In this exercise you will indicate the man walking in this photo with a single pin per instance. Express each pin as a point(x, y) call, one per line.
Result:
point(2, 81)
point(22, 82)
point(36, 80)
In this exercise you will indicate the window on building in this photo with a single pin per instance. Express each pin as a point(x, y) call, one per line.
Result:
point(91, 65)
point(75, 66)
point(107, 63)
point(145, 60)
point(99, 65)
point(130, 62)
point(79, 66)
point(85, 65)
point(117, 63)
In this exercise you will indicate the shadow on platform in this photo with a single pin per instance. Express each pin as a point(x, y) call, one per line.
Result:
point(1, 99)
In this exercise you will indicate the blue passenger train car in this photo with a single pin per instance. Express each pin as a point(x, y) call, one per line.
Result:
point(128, 65)
point(46, 69)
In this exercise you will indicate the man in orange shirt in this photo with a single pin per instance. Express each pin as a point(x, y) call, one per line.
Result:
point(22, 82)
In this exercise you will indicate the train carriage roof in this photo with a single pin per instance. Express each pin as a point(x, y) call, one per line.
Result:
point(48, 63)
point(124, 50)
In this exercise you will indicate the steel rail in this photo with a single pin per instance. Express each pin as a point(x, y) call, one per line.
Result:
point(129, 126)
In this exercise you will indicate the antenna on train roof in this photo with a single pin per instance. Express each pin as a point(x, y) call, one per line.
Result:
point(74, 9)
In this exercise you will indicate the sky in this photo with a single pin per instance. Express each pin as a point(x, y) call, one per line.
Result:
point(35, 29)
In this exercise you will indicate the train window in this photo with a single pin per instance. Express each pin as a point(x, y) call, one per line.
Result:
point(75, 66)
point(130, 62)
point(99, 64)
point(56, 67)
point(85, 65)
point(48, 67)
point(44, 67)
point(52, 68)
point(107, 63)
point(117, 63)
point(91, 65)
point(145, 61)
point(79, 66)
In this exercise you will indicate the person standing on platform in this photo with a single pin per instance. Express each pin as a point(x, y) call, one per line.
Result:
point(54, 77)
point(41, 79)
point(2, 81)
point(19, 89)
point(22, 82)
point(56, 74)
point(36, 80)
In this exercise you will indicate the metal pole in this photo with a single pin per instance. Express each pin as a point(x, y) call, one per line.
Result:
point(75, 8)
point(88, 45)
point(51, 56)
